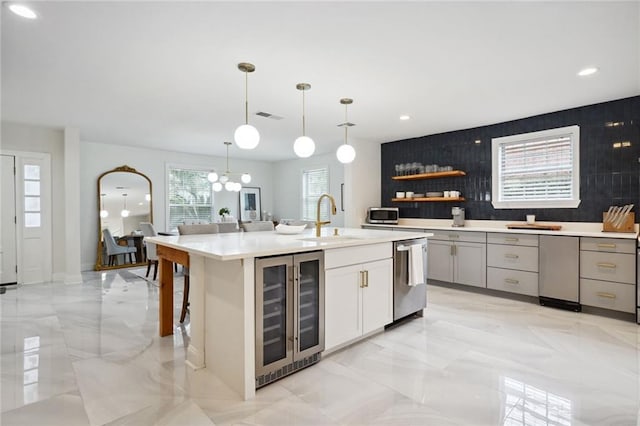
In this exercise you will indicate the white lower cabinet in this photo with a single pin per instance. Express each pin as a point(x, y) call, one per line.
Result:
point(512, 262)
point(458, 257)
point(358, 297)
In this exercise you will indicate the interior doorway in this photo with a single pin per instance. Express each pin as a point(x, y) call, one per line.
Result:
point(8, 222)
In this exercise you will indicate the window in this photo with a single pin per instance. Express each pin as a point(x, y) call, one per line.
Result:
point(31, 196)
point(315, 182)
point(537, 170)
point(190, 196)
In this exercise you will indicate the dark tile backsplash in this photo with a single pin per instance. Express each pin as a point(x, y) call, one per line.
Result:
point(607, 175)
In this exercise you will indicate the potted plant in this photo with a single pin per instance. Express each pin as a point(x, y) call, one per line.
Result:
point(223, 212)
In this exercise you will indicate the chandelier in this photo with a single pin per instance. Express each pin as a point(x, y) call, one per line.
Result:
point(226, 178)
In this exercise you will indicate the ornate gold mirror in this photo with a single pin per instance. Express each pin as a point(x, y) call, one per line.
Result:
point(124, 200)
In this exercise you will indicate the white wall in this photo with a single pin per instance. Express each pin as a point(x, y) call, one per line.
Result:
point(29, 138)
point(97, 158)
point(287, 182)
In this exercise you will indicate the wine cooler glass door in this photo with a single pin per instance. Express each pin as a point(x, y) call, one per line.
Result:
point(309, 293)
point(274, 309)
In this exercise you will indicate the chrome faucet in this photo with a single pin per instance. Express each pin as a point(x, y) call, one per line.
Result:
point(333, 212)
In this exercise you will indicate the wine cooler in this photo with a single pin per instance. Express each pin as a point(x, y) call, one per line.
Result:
point(289, 314)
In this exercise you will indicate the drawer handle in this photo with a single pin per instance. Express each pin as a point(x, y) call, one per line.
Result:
point(606, 245)
point(606, 265)
point(511, 256)
point(454, 236)
point(512, 240)
point(606, 295)
point(511, 281)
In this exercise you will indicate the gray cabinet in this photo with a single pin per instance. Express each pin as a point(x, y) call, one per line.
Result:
point(608, 273)
point(458, 257)
point(512, 263)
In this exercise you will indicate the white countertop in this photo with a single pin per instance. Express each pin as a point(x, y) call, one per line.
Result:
point(239, 245)
point(574, 229)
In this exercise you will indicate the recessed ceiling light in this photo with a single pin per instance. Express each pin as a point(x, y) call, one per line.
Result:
point(22, 11)
point(405, 117)
point(587, 71)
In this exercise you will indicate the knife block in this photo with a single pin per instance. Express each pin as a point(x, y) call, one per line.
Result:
point(627, 224)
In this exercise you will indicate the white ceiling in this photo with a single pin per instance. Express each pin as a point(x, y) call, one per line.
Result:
point(163, 74)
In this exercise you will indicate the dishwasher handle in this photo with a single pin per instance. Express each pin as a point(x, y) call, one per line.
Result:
point(408, 247)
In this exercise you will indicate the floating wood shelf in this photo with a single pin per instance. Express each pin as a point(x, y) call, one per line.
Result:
point(426, 199)
point(433, 175)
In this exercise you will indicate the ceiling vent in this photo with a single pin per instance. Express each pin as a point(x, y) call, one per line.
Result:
point(268, 115)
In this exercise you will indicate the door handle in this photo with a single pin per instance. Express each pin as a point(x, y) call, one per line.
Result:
point(606, 295)
point(511, 240)
point(361, 279)
point(454, 236)
point(606, 265)
point(511, 256)
point(511, 281)
point(606, 245)
point(366, 278)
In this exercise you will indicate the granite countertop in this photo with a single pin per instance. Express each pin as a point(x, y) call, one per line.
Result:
point(574, 229)
point(239, 245)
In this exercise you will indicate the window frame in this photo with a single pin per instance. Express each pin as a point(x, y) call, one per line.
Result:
point(168, 168)
point(325, 213)
point(497, 143)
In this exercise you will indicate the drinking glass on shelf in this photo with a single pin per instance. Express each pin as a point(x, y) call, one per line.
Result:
point(397, 167)
point(400, 169)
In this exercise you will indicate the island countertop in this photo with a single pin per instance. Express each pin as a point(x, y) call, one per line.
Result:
point(239, 245)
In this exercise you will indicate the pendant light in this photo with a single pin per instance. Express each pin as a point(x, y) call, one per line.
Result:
point(304, 145)
point(345, 153)
point(225, 181)
point(125, 212)
point(103, 212)
point(246, 136)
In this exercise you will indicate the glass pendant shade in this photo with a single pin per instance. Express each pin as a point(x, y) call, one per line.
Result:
point(246, 136)
point(237, 187)
point(345, 153)
point(224, 179)
point(304, 147)
point(124, 213)
point(104, 214)
point(229, 186)
point(212, 177)
point(245, 178)
point(217, 187)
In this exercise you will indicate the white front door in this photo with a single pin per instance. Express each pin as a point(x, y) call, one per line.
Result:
point(8, 249)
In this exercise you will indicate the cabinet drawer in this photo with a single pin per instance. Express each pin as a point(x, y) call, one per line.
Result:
point(468, 236)
point(617, 267)
point(614, 245)
point(520, 282)
point(615, 296)
point(335, 258)
point(513, 239)
point(513, 257)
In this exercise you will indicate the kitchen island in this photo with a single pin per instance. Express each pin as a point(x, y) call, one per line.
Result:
point(222, 294)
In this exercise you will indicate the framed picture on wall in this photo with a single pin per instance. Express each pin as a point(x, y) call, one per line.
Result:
point(249, 204)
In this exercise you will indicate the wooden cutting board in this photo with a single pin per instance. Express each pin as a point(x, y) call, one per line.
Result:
point(534, 226)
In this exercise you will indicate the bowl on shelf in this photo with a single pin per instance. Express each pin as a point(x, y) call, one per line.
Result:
point(418, 195)
point(435, 194)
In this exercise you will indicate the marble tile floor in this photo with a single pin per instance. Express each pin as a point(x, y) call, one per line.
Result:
point(89, 354)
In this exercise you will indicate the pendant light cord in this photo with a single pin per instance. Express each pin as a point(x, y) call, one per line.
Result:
point(246, 99)
point(303, 119)
point(346, 123)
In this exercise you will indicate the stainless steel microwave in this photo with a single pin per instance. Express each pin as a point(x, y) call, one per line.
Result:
point(388, 215)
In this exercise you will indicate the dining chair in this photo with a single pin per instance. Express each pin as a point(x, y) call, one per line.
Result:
point(113, 249)
point(225, 227)
point(148, 230)
point(209, 228)
point(261, 225)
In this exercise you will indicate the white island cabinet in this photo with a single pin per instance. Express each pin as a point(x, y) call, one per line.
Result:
point(223, 290)
point(358, 293)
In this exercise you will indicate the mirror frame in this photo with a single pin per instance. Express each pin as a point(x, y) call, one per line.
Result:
point(126, 169)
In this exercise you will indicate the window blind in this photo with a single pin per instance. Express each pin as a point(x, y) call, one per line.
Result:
point(315, 182)
point(190, 196)
point(536, 169)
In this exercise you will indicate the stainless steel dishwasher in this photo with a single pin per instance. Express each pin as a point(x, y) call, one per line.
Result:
point(408, 299)
point(559, 284)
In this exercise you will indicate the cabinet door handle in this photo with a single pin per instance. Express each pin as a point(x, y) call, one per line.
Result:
point(361, 279)
point(366, 278)
point(511, 256)
point(606, 295)
point(606, 265)
point(606, 245)
point(511, 281)
point(454, 236)
point(512, 240)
